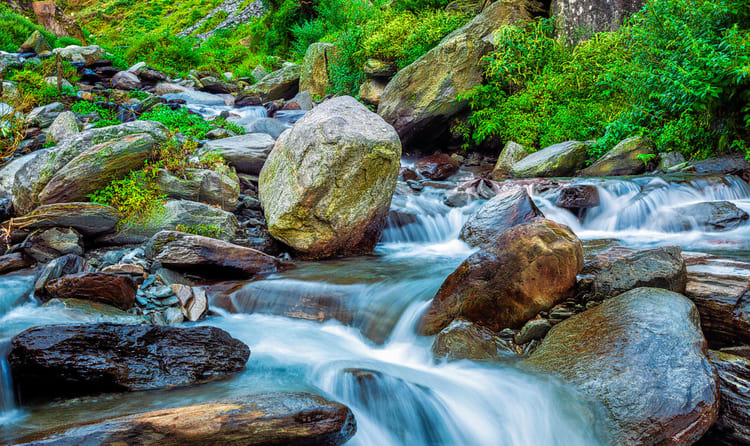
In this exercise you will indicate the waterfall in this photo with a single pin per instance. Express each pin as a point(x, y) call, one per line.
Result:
point(9, 411)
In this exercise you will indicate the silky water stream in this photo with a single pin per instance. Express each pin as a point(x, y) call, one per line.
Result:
point(346, 328)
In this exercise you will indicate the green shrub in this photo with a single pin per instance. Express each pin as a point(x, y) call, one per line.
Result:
point(180, 120)
point(135, 196)
point(16, 29)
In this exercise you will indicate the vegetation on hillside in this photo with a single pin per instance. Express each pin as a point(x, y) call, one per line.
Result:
point(678, 72)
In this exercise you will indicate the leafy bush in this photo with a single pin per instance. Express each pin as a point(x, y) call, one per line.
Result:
point(135, 196)
point(180, 120)
point(16, 29)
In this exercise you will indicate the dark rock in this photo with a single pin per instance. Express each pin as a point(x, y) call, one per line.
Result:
point(248, 99)
point(531, 267)
point(53, 243)
point(713, 215)
point(622, 159)
point(125, 80)
point(6, 209)
point(436, 167)
point(576, 197)
point(207, 256)
point(292, 419)
point(408, 174)
point(465, 340)
point(533, 330)
point(505, 210)
point(68, 264)
point(732, 164)
point(399, 219)
point(111, 289)
point(88, 359)
point(733, 426)
point(86, 218)
point(642, 356)
point(723, 300)
point(657, 268)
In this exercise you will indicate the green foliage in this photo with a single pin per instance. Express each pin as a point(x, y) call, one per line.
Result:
point(646, 157)
point(135, 196)
point(108, 117)
point(212, 231)
point(678, 72)
point(31, 83)
point(163, 50)
point(176, 157)
point(16, 29)
point(180, 120)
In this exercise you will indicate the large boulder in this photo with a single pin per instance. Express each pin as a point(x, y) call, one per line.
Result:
point(111, 289)
point(188, 215)
point(509, 156)
point(733, 425)
point(579, 20)
point(95, 168)
point(314, 72)
point(86, 218)
point(327, 185)
point(622, 159)
point(213, 187)
point(207, 256)
point(503, 211)
point(62, 128)
point(34, 175)
point(281, 84)
point(712, 215)
point(292, 419)
point(642, 356)
point(559, 160)
point(531, 268)
point(246, 153)
point(657, 268)
point(421, 98)
point(86, 359)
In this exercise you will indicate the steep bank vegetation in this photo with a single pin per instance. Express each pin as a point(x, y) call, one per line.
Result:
point(678, 72)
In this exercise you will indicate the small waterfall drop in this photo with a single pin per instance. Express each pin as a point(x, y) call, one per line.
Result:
point(9, 411)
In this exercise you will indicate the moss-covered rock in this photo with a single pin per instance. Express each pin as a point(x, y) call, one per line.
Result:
point(622, 159)
point(327, 184)
point(559, 160)
point(314, 72)
point(421, 98)
point(281, 84)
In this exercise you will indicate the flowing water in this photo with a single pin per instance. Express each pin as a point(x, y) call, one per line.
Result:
point(346, 328)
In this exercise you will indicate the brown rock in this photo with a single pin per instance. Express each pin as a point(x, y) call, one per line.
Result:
point(578, 196)
point(733, 426)
point(642, 357)
point(86, 218)
point(111, 289)
point(532, 267)
point(408, 174)
point(437, 167)
point(464, 340)
point(659, 268)
point(208, 256)
point(13, 262)
point(292, 419)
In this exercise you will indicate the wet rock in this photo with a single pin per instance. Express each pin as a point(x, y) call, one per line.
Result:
point(88, 359)
point(206, 186)
point(408, 174)
point(530, 268)
point(559, 160)
point(465, 340)
point(193, 301)
point(656, 268)
point(281, 84)
point(207, 256)
point(68, 264)
point(195, 98)
point(14, 261)
point(87, 218)
point(292, 419)
point(532, 330)
point(86, 55)
point(510, 155)
point(314, 71)
point(670, 159)
point(642, 356)
point(191, 215)
point(733, 426)
point(215, 85)
point(436, 167)
point(622, 159)
point(246, 153)
point(723, 300)
point(577, 198)
point(505, 210)
point(248, 98)
point(713, 215)
point(6, 208)
point(111, 289)
point(350, 159)
point(62, 128)
point(421, 98)
point(90, 311)
point(456, 198)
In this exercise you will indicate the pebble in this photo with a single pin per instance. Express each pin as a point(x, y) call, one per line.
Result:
point(160, 292)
